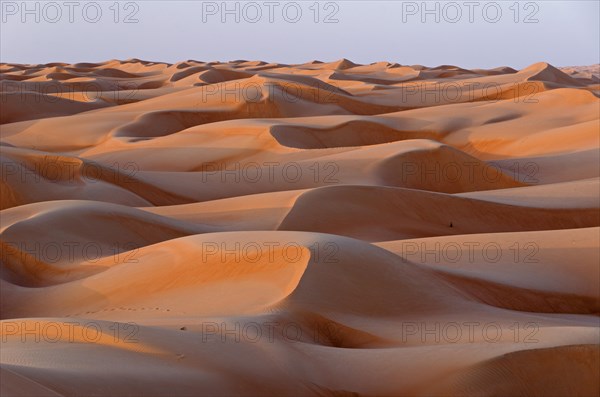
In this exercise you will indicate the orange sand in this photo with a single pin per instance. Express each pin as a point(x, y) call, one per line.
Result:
point(329, 229)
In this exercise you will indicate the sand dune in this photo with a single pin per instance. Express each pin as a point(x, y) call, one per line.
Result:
point(327, 228)
point(390, 214)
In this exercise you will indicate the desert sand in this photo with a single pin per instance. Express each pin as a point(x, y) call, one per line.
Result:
point(329, 229)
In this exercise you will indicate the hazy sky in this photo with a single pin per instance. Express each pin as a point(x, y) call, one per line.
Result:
point(466, 33)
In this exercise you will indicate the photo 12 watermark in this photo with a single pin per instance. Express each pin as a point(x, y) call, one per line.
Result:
point(470, 11)
point(32, 331)
point(53, 12)
point(270, 11)
point(468, 252)
point(467, 171)
point(54, 91)
point(273, 252)
point(68, 251)
point(55, 169)
point(270, 172)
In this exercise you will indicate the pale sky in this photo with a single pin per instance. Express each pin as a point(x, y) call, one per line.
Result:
point(468, 33)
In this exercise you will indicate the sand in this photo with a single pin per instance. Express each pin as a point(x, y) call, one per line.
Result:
point(329, 229)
